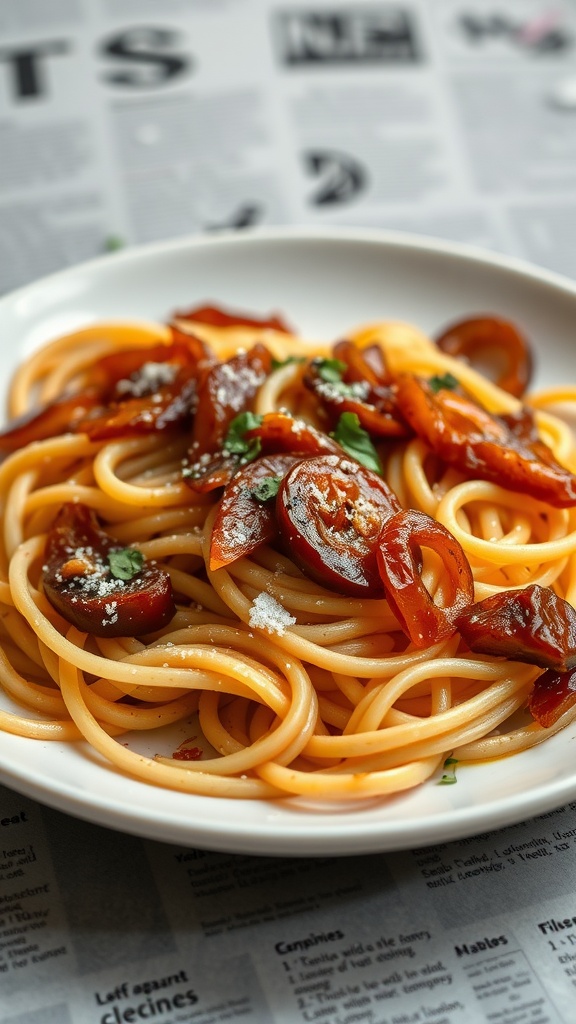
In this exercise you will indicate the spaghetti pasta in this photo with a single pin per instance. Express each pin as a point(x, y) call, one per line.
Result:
point(271, 487)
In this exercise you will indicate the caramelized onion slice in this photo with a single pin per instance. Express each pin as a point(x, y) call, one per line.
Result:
point(362, 364)
point(399, 561)
point(56, 418)
point(491, 341)
point(495, 448)
point(79, 582)
point(215, 316)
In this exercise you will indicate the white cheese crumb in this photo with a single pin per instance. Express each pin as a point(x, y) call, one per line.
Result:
point(266, 613)
point(337, 392)
point(147, 379)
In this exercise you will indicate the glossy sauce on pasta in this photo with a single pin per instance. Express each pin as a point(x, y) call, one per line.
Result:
point(321, 549)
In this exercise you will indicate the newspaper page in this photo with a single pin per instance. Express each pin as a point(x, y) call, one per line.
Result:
point(128, 121)
point(97, 927)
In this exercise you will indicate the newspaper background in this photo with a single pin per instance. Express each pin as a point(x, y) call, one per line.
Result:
point(127, 121)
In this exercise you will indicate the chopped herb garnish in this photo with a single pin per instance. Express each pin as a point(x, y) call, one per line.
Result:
point(267, 488)
point(356, 441)
point(446, 380)
point(113, 242)
point(330, 370)
point(235, 442)
point(126, 563)
point(332, 386)
point(449, 777)
point(277, 364)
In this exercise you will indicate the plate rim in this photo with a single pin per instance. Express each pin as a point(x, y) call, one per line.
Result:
point(383, 237)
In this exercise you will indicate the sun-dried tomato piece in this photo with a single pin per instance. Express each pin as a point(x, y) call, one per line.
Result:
point(532, 625)
point(522, 426)
point(168, 405)
point(183, 753)
point(131, 391)
point(280, 432)
point(488, 447)
point(273, 434)
point(553, 694)
point(139, 371)
point(224, 391)
point(356, 390)
point(330, 512)
point(80, 582)
point(210, 472)
point(215, 316)
point(59, 417)
point(486, 341)
point(246, 517)
point(399, 561)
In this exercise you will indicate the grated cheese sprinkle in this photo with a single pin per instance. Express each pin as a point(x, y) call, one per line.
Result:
point(147, 379)
point(267, 613)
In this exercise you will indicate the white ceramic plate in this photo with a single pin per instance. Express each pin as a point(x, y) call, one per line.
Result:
point(324, 283)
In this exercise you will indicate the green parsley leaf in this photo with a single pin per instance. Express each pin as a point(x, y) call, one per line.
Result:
point(235, 442)
point(449, 778)
point(356, 441)
point(277, 364)
point(126, 563)
point(267, 488)
point(333, 387)
point(330, 370)
point(446, 380)
point(113, 242)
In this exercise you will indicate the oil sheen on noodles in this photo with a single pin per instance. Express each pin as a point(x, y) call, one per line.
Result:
point(324, 698)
